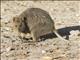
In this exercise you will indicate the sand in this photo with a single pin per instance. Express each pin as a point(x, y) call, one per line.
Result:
point(66, 15)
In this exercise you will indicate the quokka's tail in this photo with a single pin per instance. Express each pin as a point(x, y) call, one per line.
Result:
point(58, 35)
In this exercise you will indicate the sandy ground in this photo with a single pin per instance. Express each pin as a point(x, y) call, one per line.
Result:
point(66, 15)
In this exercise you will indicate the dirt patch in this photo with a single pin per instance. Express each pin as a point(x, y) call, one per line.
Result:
point(66, 15)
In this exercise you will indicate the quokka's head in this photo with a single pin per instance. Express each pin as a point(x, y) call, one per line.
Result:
point(16, 23)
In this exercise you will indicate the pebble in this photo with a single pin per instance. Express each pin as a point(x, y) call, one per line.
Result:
point(74, 32)
point(8, 49)
point(46, 58)
point(43, 51)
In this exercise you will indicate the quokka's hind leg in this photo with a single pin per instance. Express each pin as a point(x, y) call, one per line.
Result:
point(34, 36)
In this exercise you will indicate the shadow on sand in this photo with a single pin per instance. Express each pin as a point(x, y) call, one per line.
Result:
point(63, 32)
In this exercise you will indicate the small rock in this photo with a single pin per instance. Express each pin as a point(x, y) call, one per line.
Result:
point(46, 58)
point(7, 28)
point(77, 15)
point(74, 33)
point(43, 51)
point(8, 49)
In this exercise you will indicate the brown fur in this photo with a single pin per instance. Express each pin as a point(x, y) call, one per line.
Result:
point(36, 21)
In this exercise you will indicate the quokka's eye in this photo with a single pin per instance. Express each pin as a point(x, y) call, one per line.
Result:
point(24, 18)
